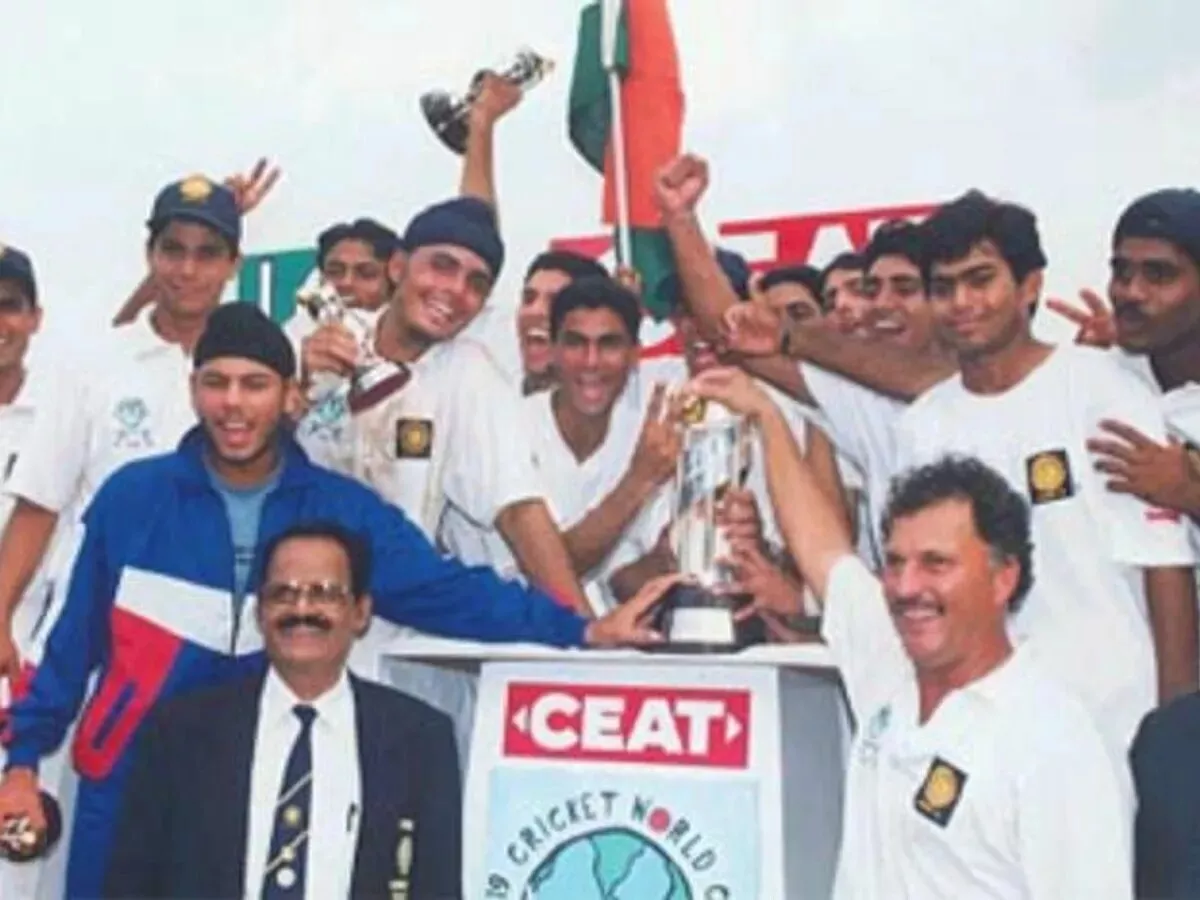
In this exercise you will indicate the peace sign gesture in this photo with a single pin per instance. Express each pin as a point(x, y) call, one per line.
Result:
point(251, 189)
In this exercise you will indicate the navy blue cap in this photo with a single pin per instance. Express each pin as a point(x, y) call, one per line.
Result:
point(1172, 214)
point(199, 199)
point(19, 267)
point(243, 331)
point(465, 222)
point(736, 270)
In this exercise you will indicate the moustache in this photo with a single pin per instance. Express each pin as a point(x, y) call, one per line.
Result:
point(901, 605)
point(1129, 312)
point(290, 623)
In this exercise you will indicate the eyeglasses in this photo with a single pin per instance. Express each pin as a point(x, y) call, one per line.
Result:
point(318, 593)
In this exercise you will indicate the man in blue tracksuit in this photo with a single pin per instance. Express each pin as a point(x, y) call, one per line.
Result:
point(158, 604)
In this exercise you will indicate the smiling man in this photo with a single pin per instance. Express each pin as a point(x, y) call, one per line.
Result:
point(548, 274)
point(967, 755)
point(601, 460)
point(1028, 410)
point(353, 257)
point(161, 600)
point(125, 397)
point(291, 785)
point(472, 473)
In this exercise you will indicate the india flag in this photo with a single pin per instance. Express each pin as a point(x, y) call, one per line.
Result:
point(634, 37)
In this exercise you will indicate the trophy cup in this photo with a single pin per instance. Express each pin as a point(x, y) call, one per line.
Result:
point(699, 617)
point(19, 842)
point(374, 378)
point(447, 114)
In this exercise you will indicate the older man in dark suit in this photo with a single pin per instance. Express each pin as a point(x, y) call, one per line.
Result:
point(303, 782)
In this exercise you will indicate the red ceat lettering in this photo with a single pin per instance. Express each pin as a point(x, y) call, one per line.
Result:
point(696, 727)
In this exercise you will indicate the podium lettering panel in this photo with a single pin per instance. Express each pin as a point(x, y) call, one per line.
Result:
point(652, 779)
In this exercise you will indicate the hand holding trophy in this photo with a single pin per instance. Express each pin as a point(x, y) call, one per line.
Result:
point(449, 115)
point(699, 614)
point(372, 378)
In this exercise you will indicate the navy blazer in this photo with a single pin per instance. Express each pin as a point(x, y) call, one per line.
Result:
point(182, 831)
point(1166, 769)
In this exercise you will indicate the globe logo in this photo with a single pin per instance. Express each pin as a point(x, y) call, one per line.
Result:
point(608, 864)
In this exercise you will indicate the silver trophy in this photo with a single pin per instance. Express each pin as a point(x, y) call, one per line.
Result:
point(699, 617)
point(447, 114)
point(374, 378)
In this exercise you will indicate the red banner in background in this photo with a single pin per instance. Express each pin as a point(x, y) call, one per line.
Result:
point(794, 236)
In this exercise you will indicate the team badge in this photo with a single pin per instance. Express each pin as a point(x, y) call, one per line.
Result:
point(1049, 476)
point(414, 438)
point(195, 189)
point(130, 416)
point(940, 792)
point(693, 410)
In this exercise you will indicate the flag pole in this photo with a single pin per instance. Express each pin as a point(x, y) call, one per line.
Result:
point(610, 22)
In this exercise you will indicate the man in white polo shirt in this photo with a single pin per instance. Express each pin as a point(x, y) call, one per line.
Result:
point(1114, 609)
point(128, 397)
point(448, 446)
point(601, 460)
point(1155, 293)
point(20, 318)
point(973, 772)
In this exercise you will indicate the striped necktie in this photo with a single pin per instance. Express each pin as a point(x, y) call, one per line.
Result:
point(287, 860)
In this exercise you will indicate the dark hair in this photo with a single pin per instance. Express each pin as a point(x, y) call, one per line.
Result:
point(999, 513)
point(808, 277)
point(596, 293)
point(357, 550)
point(964, 223)
point(381, 239)
point(575, 265)
point(898, 237)
point(155, 230)
point(843, 261)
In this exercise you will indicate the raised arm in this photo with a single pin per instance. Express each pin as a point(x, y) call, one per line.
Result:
point(496, 97)
point(813, 528)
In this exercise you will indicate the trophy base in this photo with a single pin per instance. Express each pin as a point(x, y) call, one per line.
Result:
point(377, 384)
point(442, 114)
point(697, 621)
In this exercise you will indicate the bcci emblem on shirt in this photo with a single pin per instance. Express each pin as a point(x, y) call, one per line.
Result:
point(1049, 476)
point(939, 794)
point(414, 438)
point(130, 416)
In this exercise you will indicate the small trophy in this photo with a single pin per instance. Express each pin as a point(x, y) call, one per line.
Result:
point(447, 114)
point(699, 617)
point(19, 842)
point(375, 378)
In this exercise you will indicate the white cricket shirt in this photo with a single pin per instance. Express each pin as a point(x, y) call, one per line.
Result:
point(1086, 615)
point(1005, 792)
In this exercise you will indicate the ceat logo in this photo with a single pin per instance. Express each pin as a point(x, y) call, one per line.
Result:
point(614, 723)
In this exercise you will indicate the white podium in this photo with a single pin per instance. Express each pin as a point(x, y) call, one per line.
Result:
point(621, 775)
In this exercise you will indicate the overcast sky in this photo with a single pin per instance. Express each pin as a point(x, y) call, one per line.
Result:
point(1071, 106)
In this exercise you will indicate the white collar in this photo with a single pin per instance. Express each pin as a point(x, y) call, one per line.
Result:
point(335, 708)
point(144, 340)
